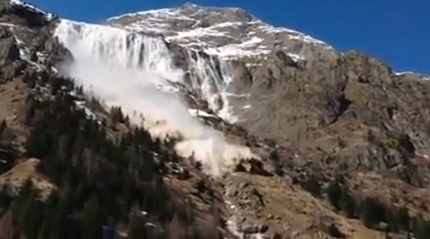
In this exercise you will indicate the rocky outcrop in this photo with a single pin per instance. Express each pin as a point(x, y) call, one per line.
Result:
point(23, 14)
point(8, 48)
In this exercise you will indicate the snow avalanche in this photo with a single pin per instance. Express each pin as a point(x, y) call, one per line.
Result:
point(134, 71)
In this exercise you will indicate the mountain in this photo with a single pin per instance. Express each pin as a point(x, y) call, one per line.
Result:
point(203, 122)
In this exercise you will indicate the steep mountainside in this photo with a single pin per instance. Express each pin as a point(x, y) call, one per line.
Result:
point(203, 122)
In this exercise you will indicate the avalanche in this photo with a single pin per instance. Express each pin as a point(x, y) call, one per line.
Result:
point(134, 71)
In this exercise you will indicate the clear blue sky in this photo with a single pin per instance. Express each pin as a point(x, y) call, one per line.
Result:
point(396, 31)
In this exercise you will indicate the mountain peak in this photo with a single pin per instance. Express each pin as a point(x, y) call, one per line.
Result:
point(229, 32)
point(191, 5)
point(31, 8)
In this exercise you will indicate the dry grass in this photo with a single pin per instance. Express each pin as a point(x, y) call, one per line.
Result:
point(12, 94)
point(23, 171)
point(291, 211)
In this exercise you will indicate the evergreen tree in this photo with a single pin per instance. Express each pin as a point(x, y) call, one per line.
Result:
point(421, 228)
point(32, 217)
point(80, 159)
point(5, 198)
point(116, 115)
point(372, 212)
point(334, 193)
point(3, 126)
point(398, 219)
point(347, 204)
point(136, 228)
point(91, 219)
point(59, 215)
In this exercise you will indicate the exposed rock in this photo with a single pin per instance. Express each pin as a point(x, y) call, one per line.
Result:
point(19, 14)
point(178, 170)
point(9, 51)
point(254, 229)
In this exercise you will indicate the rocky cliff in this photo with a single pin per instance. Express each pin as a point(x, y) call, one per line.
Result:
point(303, 141)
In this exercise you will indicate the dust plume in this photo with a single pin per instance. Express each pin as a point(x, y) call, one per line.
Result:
point(137, 88)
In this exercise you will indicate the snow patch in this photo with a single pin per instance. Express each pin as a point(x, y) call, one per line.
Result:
point(200, 113)
point(25, 55)
point(403, 73)
point(421, 76)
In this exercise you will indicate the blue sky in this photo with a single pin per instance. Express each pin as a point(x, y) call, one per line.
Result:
point(396, 31)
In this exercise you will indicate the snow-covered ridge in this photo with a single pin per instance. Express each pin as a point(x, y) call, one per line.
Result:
point(421, 76)
point(32, 8)
point(227, 32)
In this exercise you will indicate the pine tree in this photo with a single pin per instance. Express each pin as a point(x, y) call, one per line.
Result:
point(77, 156)
point(32, 216)
point(58, 225)
point(136, 228)
point(3, 126)
point(372, 212)
point(347, 204)
point(334, 193)
point(398, 219)
point(91, 219)
point(117, 115)
point(421, 228)
point(5, 198)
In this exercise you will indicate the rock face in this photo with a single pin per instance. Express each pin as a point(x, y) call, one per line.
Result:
point(314, 116)
point(339, 114)
point(299, 90)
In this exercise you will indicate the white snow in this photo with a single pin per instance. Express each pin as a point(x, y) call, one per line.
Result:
point(403, 73)
point(421, 76)
point(127, 69)
point(296, 57)
point(200, 113)
point(6, 24)
point(293, 34)
point(249, 48)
